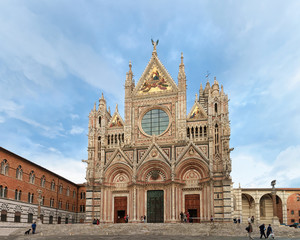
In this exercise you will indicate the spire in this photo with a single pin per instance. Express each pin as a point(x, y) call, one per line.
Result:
point(196, 97)
point(222, 89)
point(201, 90)
point(116, 110)
point(95, 107)
point(181, 75)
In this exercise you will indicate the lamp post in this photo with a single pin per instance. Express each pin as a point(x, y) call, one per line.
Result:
point(273, 193)
point(39, 206)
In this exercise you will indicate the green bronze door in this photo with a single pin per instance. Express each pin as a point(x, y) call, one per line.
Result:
point(155, 206)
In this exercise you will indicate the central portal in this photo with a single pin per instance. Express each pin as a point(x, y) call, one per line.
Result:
point(155, 206)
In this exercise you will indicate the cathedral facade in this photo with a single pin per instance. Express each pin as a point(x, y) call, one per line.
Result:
point(161, 159)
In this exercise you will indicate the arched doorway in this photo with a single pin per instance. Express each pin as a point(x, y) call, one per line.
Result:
point(266, 208)
point(248, 207)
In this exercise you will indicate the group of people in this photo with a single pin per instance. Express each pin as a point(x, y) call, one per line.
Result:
point(96, 221)
point(185, 217)
point(262, 230)
point(143, 219)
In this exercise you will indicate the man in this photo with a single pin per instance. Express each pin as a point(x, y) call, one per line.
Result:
point(33, 226)
point(249, 230)
point(262, 229)
point(270, 232)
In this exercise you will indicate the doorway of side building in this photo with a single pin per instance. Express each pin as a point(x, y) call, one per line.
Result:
point(192, 205)
point(120, 209)
point(155, 206)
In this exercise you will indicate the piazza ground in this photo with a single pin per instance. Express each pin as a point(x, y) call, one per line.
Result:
point(143, 231)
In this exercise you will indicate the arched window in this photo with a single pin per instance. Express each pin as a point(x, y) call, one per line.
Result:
point(188, 132)
point(74, 193)
point(1, 191)
point(19, 173)
point(32, 177)
point(216, 138)
point(5, 192)
point(43, 181)
point(4, 167)
point(216, 108)
point(60, 189)
point(68, 191)
point(51, 202)
point(99, 121)
point(16, 194)
point(205, 133)
point(53, 185)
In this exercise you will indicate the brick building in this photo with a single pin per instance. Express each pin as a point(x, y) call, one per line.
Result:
point(21, 180)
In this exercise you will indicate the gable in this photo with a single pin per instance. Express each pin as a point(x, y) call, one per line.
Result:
point(155, 79)
point(116, 121)
point(197, 112)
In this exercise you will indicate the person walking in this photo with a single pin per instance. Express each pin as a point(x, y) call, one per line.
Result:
point(249, 229)
point(33, 226)
point(252, 219)
point(270, 232)
point(181, 216)
point(262, 230)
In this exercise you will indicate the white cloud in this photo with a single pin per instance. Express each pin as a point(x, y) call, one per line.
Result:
point(251, 170)
point(74, 116)
point(76, 130)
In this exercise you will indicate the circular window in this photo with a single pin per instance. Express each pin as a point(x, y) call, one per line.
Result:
point(155, 122)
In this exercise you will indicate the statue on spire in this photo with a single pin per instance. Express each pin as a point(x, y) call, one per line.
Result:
point(154, 44)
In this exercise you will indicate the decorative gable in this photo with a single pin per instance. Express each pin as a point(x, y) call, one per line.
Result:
point(116, 120)
point(118, 156)
point(197, 112)
point(154, 152)
point(192, 151)
point(155, 79)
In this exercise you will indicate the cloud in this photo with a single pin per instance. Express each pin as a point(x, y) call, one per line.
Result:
point(74, 116)
point(251, 170)
point(76, 130)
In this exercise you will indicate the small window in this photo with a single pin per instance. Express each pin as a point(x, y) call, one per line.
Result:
point(292, 212)
point(17, 217)
point(216, 108)
point(292, 220)
point(30, 218)
point(1, 191)
point(51, 220)
point(3, 216)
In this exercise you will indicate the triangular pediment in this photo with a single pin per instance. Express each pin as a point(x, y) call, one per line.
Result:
point(154, 152)
point(118, 157)
point(155, 79)
point(116, 121)
point(197, 112)
point(192, 151)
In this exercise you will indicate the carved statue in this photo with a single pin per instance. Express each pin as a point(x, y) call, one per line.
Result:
point(154, 44)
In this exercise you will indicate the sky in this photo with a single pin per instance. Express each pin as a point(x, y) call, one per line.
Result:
point(57, 57)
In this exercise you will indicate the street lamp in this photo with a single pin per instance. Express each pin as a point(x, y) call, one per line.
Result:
point(39, 206)
point(275, 218)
